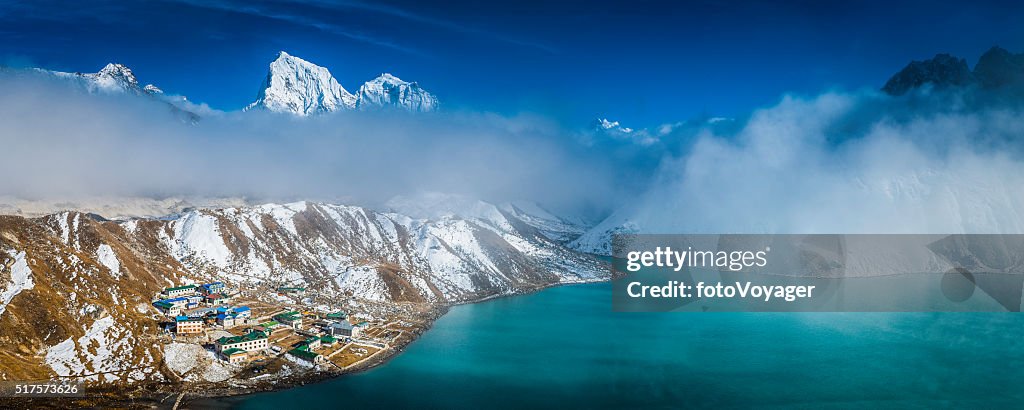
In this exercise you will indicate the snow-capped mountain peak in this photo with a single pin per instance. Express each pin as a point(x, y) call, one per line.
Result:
point(116, 76)
point(389, 91)
point(113, 78)
point(116, 79)
point(297, 86)
point(604, 124)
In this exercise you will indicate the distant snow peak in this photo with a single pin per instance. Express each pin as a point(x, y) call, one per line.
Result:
point(117, 79)
point(113, 78)
point(390, 91)
point(299, 87)
point(607, 125)
point(117, 75)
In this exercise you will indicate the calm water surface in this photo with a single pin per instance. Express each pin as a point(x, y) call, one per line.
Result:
point(564, 345)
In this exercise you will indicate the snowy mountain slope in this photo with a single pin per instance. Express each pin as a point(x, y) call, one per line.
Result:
point(118, 79)
point(299, 87)
point(598, 239)
point(76, 287)
point(446, 258)
point(80, 286)
point(388, 91)
point(438, 205)
point(557, 228)
point(113, 78)
point(296, 86)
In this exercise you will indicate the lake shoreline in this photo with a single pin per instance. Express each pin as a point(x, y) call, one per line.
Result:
point(233, 395)
point(210, 395)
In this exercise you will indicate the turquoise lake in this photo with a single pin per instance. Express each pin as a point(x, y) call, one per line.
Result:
point(565, 347)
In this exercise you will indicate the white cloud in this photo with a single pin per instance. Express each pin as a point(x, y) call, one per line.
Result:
point(845, 163)
point(56, 142)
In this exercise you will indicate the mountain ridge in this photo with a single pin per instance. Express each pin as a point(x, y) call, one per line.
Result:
point(996, 68)
point(116, 78)
point(296, 86)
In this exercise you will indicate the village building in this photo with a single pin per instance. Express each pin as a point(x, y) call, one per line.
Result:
point(168, 308)
point(307, 356)
point(242, 311)
point(215, 299)
point(255, 340)
point(227, 320)
point(201, 313)
point(272, 326)
point(171, 307)
point(312, 343)
point(179, 291)
point(184, 325)
point(340, 329)
point(193, 301)
point(234, 356)
point(292, 319)
point(291, 289)
point(209, 288)
point(328, 340)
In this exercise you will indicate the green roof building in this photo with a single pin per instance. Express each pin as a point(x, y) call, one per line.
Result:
point(254, 340)
point(293, 319)
point(306, 355)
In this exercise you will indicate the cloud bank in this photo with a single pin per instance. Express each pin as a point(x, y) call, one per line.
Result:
point(839, 162)
point(846, 163)
point(58, 142)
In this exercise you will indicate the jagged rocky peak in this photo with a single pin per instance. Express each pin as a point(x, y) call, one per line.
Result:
point(388, 91)
point(116, 78)
point(999, 67)
point(940, 71)
point(296, 86)
point(117, 75)
point(299, 87)
point(996, 69)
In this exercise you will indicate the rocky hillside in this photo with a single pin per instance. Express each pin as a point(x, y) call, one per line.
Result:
point(78, 287)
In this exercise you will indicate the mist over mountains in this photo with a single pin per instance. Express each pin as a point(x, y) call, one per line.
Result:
point(937, 152)
point(390, 139)
point(394, 206)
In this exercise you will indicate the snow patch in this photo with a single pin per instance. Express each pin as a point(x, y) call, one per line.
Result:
point(98, 355)
point(182, 357)
point(21, 279)
point(106, 256)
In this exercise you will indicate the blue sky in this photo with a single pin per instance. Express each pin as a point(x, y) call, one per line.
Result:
point(640, 62)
